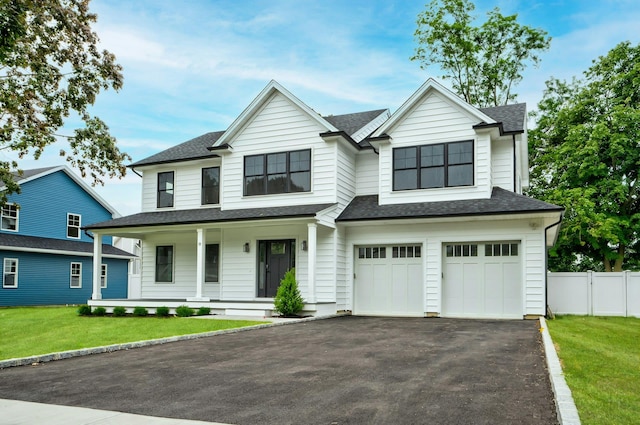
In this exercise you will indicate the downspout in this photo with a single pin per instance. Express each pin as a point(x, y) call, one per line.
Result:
point(546, 261)
point(515, 168)
point(135, 172)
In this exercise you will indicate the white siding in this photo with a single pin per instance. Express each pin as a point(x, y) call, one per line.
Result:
point(278, 127)
point(432, 236)
point(346, 174)
point(343, 293)
point(367, 174)
point(184, 267)
point(325, 266)
point(435, 120)
point(502, 164)
point(187, 180)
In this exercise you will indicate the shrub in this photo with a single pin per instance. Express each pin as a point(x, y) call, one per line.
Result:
point(140, 311)
point(119, 311)
point(162, 312)
point(99, 311)
point(203, 311)
point(288, 301)
point(84, 310)
point(184, 311)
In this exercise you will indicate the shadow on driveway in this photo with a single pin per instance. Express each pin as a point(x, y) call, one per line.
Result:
point(347, 370)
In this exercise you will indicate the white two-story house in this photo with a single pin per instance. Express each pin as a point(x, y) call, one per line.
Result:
point(415, 213)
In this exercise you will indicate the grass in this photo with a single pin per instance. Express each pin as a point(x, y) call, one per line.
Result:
point(27, 331)
point(600, 358)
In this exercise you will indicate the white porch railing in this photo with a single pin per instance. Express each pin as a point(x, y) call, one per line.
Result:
point(594, 294)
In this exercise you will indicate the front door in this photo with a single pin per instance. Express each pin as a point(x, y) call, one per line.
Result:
point(275, 258)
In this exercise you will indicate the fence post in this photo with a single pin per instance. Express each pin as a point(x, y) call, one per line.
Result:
point(626, 289)
point(590, 291)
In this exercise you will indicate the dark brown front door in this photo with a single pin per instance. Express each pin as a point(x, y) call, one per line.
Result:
point(274, 259)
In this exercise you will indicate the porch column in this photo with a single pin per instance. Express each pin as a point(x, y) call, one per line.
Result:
point(97, 266)
point(200, 258)
point(312, 229)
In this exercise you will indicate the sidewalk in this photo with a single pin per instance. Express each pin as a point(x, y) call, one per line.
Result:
point(16, 412)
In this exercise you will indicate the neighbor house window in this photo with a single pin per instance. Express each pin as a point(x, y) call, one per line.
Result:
point(211, 262)
point(210, 185)
point(10, 273)
point(165, 189)
point(10, 217)
point(164, 263)
point(103, 276)
point(283, 172)
point(432, 166)
point(76, 275)
point(73, 226)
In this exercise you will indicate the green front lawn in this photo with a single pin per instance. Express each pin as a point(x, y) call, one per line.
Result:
point(27, 331)
point(600, 358)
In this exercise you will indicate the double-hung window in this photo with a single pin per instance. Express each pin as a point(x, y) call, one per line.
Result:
point(10, 217)
point(283, 172)
point(164, 263)
point(76, 275)
point(10, 273)
point(103, 276)
point(433, 166)
point(165, 189)
point(210, 185)
point(73, 225)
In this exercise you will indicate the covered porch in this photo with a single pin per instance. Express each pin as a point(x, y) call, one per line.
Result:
point(231, 265)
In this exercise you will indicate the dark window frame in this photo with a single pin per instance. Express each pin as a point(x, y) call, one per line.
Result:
point(288, 173)
point(204, 194)
point(207, 264)
point(419, 167)
point(165, 191)
point(170, 263)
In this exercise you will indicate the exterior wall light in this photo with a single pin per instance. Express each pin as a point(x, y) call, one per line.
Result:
point(304, 245)
point(245, 247)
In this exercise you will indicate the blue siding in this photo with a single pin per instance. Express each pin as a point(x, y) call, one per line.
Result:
point(43, 279)
point(45, 202)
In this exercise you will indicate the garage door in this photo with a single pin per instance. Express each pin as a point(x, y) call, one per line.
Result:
point(482, 280)
point(388, 280)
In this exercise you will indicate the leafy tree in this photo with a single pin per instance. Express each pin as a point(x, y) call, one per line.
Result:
point(484, 62)
point(585, 155)
point(50, 68)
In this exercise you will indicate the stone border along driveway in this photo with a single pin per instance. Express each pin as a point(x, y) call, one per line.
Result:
point(565, 407)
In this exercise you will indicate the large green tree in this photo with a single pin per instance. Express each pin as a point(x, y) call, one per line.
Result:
point(483, 62)
point(51, 71)
point(585, 154)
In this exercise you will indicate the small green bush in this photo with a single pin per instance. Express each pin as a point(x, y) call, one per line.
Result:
point(162, 312)
point(140, 311)
point(288, 301)
point(203, 311)
point(119, 311)
point(84, 310)
point(184, 311)
point(99, 311)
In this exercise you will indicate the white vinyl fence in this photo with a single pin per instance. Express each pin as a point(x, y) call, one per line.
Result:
point(595, 294)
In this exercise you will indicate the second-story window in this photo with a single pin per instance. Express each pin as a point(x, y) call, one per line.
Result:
point(10, 217)
point(432, 166)
point(73, 225)
point(282, 172)
point(210, 185)
point(165, 189)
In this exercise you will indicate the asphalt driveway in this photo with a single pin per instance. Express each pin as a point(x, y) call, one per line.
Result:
point(348, 370)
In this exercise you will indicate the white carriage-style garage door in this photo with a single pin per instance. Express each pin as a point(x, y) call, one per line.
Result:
point(389, 281)
point(482, 280)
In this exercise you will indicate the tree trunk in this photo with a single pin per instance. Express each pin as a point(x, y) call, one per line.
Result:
point(620, 260)
point(607, 264)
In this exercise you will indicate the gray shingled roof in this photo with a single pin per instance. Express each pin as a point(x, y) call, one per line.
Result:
point(209, 215)
point(57, 245)
point(30, 173)
point(502, 201)
point(512, 117)
point(351, 123)
point(191, 149)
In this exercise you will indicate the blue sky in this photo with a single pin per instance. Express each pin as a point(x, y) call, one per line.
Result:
point(192, 67)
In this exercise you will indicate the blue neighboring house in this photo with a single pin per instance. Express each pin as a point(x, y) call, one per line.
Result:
point(45, 255)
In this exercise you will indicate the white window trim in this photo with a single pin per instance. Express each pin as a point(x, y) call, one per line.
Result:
point(103, 276)
point(4, 273)
point(17, 219)
point(79, 225)
point(71, 276)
